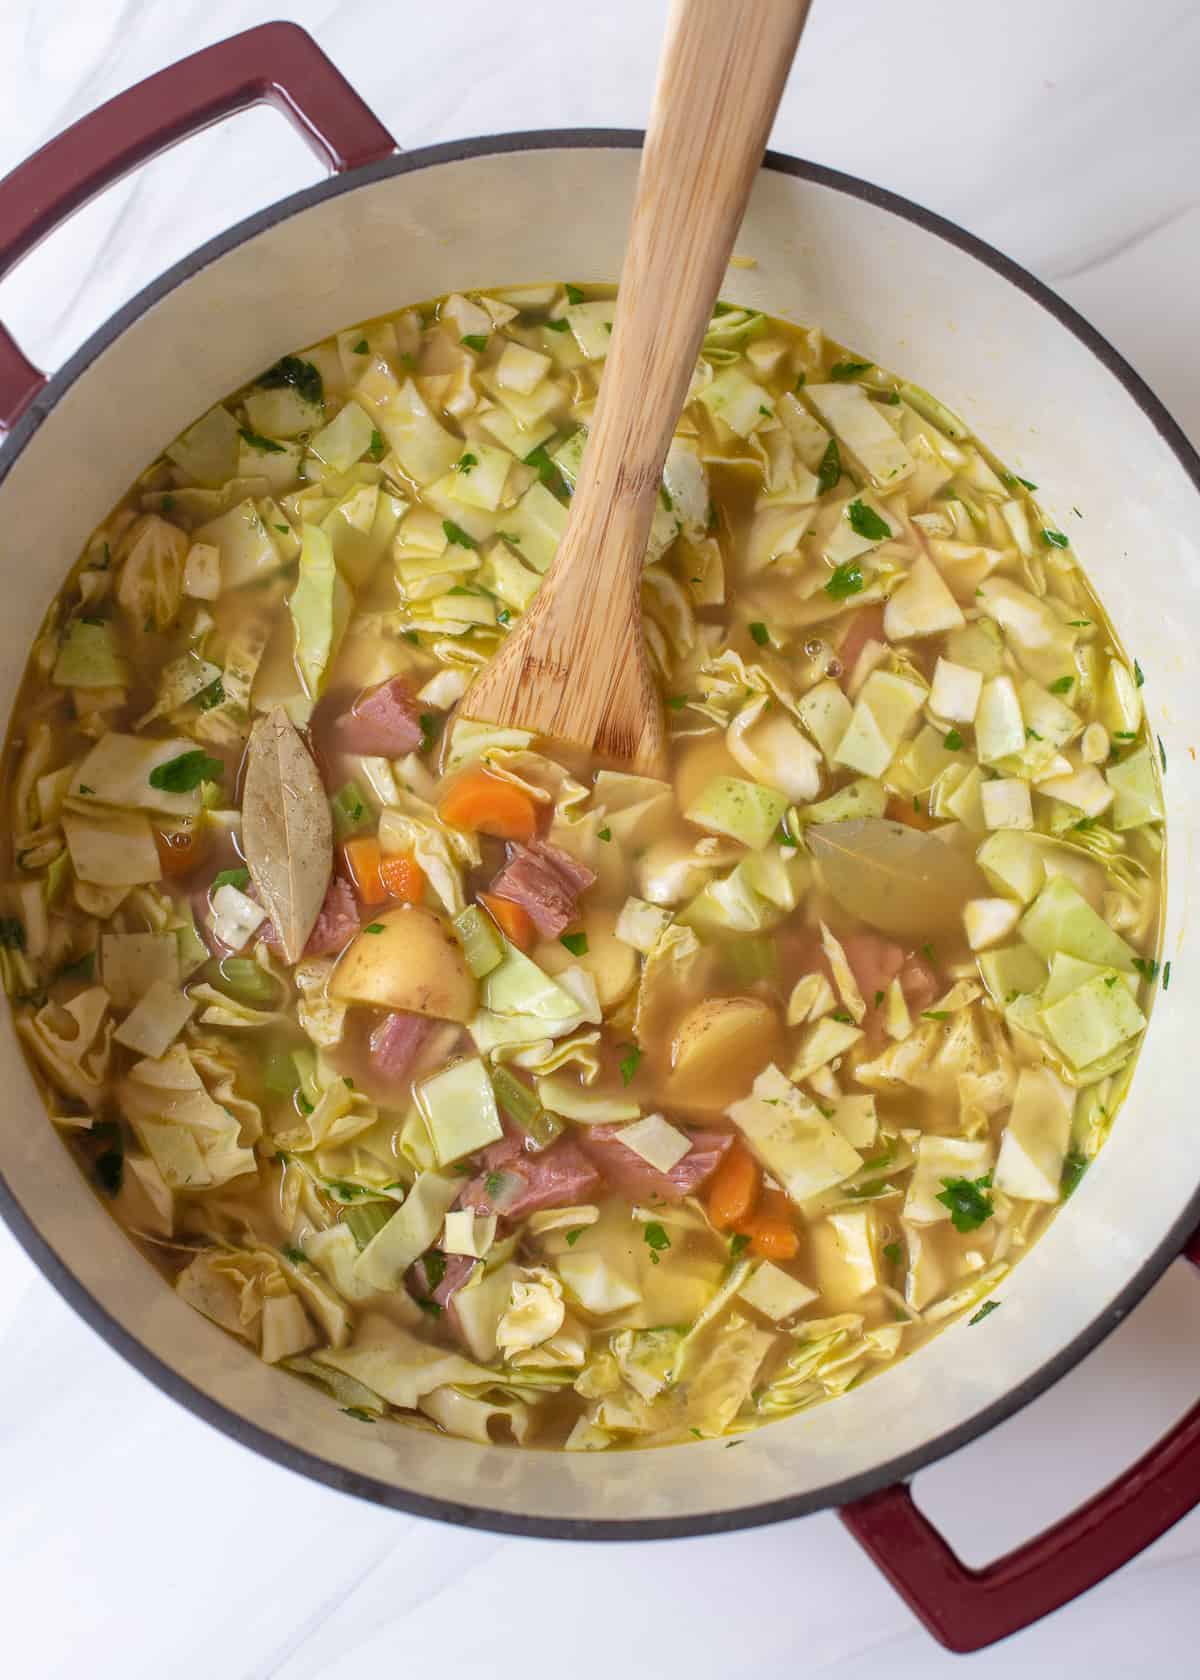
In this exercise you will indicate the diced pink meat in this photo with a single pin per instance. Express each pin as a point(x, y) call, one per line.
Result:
point(874, 961)
point(383, 722)
point(628, 1173)
point(545, 881)
point(919, 983)
point(529, 1183)
point(458, 1268)
point(396, 1043)
point(865, 626)
point(335, 926)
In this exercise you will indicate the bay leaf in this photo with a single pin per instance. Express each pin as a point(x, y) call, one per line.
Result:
point(287, 830)
point(903, 881)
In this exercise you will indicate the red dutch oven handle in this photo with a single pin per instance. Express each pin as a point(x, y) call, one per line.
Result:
point(967, 1609)
point(276, 64)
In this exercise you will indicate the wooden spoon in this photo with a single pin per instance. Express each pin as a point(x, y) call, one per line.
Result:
point(575, 669)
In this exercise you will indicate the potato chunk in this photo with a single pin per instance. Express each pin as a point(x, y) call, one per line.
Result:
point(720, 1046)
point(411, 961)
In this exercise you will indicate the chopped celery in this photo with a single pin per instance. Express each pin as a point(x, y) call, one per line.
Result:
point(482, 945)
point(351, 813)
point(244, 980)
point(368, 1219)
point(523, 1108)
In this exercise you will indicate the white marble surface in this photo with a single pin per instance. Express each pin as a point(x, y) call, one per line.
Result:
point(135, 1541)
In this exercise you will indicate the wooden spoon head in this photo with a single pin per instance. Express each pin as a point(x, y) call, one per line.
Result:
point(586, 684)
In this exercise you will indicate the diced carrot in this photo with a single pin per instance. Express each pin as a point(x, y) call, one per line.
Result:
point(911, 814)
point(487, 805)
point(734, 1188)
point(771, 1228)
point(180, 850)
point(362, 861)
point(403, 877)
point(513, 920)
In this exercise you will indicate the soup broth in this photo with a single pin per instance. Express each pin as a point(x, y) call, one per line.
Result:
point(510, 1094)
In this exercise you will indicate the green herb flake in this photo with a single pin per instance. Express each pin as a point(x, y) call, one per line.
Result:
point(952, 741)
point(302, 376)
point(296, 1255)
point(1062, 685)
point(357, 1413)
point(1139, 676)
point(656, 1239)
point(604, 833)
point(738, 1244)
point(556, 326)
point(759, 633)
point(1146, 967)
point(844, 581)
point(430, 1307)
point(677, 701)
point(493, 1183)
point(573, 1235)
point(664, 496)
point(1162, 753)
point(927, 951)
point(466, 462)
point(631, 1059)
point(183, 774)
point(476, 341)
point(264, 445)
point(985, 1311)
point(841, 1015)
point(1055, 539)
point(239, 878)
point(830, 469)
point(574, 295)
point(893, 1253)
point(843, 371)
point(969, 1206)
point(1073, 1170)
point(878, 999)
point(456, 534)
point(576, 943)
point(867, 522)
point(1166, 975)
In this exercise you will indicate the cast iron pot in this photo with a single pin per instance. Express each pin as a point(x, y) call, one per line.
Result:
point(914, 293)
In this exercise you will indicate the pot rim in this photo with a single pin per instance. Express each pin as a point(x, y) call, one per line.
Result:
point(322, 1470)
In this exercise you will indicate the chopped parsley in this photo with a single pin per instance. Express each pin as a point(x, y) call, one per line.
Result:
point(664, 496)
point(952, 741)
point(183, 774)
point(466, 462)
point(843, 371)
point(969, 1206)
point(759, 633)
point(893, 1253)
point(373, 927)
point(239, 878)
point(1146, 967)
point(435, 1267)
point(1055, 539)
point(1062, 685)
point(844, 581)
point(677, 701)
point(1162, 753)
point(985, 1311)
point(574, 295)
point(493, 1183)
point(604, 833)
point(1166, 975)
point(576, 943)
point(456, 534)
point(867, 522)
point(357, 1413)
point(1073, 1170)
point(738, 1244)
point(556, 326)
point(830, 469)
point(476, 341)
point(431, 728)
point(546, 469)
point(430, 1307)
point(1139, 676)
point(878, 999)
point(376, 450)
point(656, 1240)
point(296, 1255)
point(841, 1015)
point(629, 1062)
point(573, 1235)
point(293, 371)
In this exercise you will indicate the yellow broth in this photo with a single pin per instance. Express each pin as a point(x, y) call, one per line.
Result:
point(867, 973)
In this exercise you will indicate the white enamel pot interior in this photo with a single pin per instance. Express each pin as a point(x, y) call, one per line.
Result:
point(906, 291)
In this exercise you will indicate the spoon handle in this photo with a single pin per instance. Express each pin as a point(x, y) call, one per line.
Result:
point(721, 77)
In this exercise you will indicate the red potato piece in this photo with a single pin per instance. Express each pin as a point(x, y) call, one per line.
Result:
point(383, 722)
point(627, 1173)
point(556, 1177)
point(396, 1043)
point(546, 882)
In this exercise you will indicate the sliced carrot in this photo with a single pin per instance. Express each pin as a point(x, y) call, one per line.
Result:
point(513, 920)
point(912, 815)
point(487, 805)
point(362, 860)
point(403, 877)
point(773, 1238)
point(734, 1188)
point(180, 850)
